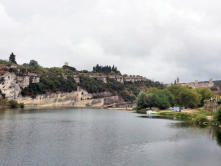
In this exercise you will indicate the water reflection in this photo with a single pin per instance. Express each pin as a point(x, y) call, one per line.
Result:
point(218, 136)
point(93, 137)
point(214, 133)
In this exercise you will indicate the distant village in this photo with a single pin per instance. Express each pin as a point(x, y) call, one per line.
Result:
point(196, 84)
point(200, 84)
point(119, 78)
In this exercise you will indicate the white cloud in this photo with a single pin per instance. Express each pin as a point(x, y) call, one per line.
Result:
point(160, 39)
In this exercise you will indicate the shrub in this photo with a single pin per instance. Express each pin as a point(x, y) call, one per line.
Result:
point(183, 116)
point(127, 97)
point(218, 136)
point(13, 104)
point(200, 119)
point(141, 111)
point(217, 116)
point(22, 105)
point(92, 85)
point(114, 85)
point(52, 81)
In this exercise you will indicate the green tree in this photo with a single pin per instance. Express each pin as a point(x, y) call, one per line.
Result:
point(205, 94)
point(161, 99)
point(175, 90)
point(217, 116)
point(170, 96)
point(189, 98)
point(150, 100)
point(142, 100)
point(12, 58)
point(33, 63)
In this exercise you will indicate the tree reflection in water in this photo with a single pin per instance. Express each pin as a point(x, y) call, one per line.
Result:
point(214, 132)
point(218, 136)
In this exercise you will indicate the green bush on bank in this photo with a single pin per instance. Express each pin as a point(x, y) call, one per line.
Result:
point(11, 104)
point(141, 111)
point(217, 116)
point(15, 104)
point(198, 118)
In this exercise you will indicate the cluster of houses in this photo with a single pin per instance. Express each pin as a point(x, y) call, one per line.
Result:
point(196, 84)
point(119, 78)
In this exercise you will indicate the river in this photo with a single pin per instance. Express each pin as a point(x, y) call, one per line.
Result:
point(97, 137)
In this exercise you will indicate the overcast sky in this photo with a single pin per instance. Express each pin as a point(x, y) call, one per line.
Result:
point(158, 39)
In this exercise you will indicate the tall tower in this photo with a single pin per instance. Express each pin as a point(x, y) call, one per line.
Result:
point(178, 80)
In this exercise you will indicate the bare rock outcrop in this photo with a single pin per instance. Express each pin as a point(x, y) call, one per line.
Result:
point(11, 85)
point(79, 98)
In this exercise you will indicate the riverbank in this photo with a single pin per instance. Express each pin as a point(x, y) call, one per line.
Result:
point(6, 104)
point(199, 117)
point(5, 107)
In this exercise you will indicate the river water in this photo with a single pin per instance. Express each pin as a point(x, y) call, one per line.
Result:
point(90, 137)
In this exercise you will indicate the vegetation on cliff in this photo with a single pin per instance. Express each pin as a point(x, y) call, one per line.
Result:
point(68, 78)
point(51, 80)
point(105, 69)
point(12, 58)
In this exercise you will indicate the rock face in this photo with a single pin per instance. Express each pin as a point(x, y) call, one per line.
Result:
point(11, 85)
point(79, 98)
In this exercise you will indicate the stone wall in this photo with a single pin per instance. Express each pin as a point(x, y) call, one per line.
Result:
point(196, 84)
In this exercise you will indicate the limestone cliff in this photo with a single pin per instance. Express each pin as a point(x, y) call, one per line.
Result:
point(11, 84)
point(79, 98)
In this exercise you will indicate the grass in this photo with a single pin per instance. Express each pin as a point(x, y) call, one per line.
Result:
point(142, 111)
point(197, 118)
point(11, 104)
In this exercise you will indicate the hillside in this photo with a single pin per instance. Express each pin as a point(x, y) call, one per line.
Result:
point(32, 80)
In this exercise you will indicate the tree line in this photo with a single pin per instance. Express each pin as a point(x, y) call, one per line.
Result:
point(105, 69)
point(174, 95)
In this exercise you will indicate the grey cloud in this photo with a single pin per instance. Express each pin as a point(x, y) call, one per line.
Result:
point(159, 39)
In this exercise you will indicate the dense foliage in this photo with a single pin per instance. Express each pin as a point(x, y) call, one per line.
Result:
point(63, 80)
point(51, 81)
point(217, 116)
point(174, 95)
point(144, 100)
point(113, 86)
point(105, 69)
point(12, 58)
point(10, 104)
point(92, 85)
point(69, 68)
point(205, 94)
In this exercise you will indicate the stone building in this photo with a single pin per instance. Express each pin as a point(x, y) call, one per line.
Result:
point(196, 84)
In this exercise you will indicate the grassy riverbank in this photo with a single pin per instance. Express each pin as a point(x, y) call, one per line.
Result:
point(4, 104)
point(196, 117)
